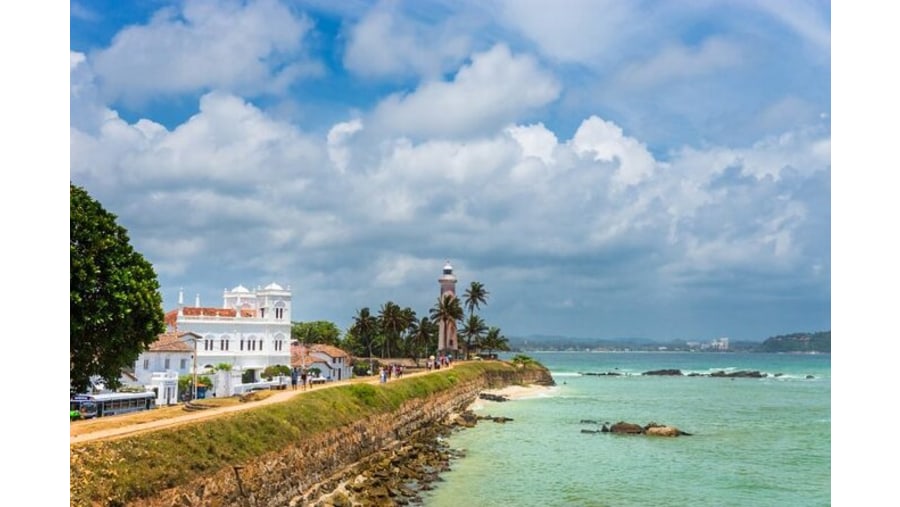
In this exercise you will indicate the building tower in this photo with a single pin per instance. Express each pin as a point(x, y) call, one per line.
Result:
point(447, 338)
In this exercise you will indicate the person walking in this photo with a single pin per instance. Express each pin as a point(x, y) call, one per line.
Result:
point(294, 379)
point(303, 379)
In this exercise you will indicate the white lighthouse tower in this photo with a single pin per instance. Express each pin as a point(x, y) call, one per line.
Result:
point(447, 337)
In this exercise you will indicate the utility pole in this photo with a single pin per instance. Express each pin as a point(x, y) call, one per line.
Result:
point(194, 386)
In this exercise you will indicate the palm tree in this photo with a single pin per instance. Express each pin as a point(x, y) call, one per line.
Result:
point(446, 311)
point(365, 326)
point(475, 296)
point(472, 331)
point(392, 323)
point(495, 341)
point(421, 339)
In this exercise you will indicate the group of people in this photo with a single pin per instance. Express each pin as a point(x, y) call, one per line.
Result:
point(438, 362)
point(301, 375)
point(390, 371)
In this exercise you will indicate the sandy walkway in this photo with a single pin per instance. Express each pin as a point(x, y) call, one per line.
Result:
point(512, 392)
point(190, 417)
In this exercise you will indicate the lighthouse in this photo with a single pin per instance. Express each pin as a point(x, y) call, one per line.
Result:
point(447, 337)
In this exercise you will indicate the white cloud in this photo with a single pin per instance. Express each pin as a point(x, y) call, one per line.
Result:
point(386, 43)
point(495, 89)
point(396, 271)
point(604, 141)
point(677, 62)
point(535, 140)
point(579, 31)
point(337, 139)
point(250, 48)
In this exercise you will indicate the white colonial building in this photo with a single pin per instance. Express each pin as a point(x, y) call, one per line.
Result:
point(249, 332)
point(158, 367)
point(333, 363)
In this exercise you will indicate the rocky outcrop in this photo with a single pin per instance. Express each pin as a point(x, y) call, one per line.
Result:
point(664, 372)
point(650, 429)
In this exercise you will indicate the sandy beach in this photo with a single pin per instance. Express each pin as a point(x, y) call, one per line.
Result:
point(513, 392)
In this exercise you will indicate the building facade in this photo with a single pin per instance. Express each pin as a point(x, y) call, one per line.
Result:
point(249, 332)
point(447, 340)
point(333, 363)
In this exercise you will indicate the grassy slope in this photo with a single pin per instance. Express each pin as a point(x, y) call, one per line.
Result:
point(117, 471)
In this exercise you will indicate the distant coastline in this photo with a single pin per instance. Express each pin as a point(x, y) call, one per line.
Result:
point(818, 342)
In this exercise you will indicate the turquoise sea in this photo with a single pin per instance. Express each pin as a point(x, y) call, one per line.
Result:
point(755, 442)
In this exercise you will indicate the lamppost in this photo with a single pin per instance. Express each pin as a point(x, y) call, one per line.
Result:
point(195, 339)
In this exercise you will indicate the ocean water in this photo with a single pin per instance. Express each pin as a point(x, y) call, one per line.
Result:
point(755, 442)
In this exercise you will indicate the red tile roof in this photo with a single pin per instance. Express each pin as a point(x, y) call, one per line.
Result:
point(329, 349)
point(172, 342)
point(194, 311)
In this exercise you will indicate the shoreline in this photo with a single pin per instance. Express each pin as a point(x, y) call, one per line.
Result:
point(512, 393)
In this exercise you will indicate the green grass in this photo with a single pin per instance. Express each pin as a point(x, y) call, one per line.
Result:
point(117, 471)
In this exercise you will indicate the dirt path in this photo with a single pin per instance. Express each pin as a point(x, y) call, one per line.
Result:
point(200, 415)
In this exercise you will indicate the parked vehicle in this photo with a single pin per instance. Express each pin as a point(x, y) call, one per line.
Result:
point(107, 404)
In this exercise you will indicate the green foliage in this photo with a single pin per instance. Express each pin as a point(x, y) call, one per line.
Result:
point(446, 310)
point(163, 459)
point(798, 342)
point(522, 359)
point(364, 331)
point(273, 371)
point(495, 341)
point(421, 339)
point(472, 332)
point(319, 331)
point(223, 367)
point(184, 382)
point(115, 308)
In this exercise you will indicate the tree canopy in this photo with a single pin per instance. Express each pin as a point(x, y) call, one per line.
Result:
point(115, 308)
point(319, 331)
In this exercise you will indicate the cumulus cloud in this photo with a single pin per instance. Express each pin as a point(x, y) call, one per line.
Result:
point(337, 139)
point(387, 43)
point(495, 89)
point(253, 47)
point(556, 210)
point(604, 141)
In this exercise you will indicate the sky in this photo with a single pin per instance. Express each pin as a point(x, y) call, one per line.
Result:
point(605, 169)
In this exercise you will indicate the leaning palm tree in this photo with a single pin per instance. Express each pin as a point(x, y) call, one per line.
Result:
point(365, 327)
point(475, 296)
point(494, 340)
point(446, 312)
point(472, 332)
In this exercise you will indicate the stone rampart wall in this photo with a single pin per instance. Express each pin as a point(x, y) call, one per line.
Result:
point(282, 478)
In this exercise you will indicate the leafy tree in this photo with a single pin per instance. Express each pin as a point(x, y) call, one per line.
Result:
point(275, 370)
point(392, 323)
point(475, 296)
point(421, 339)
point(184, 383)
point(472, 332)
point(446, 312)
point(115, 308)
point(494, 340)
point(319, 331)
point(365, 329)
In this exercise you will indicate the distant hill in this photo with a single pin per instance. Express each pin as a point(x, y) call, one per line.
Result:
point(794, 342)
point(798, 342)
